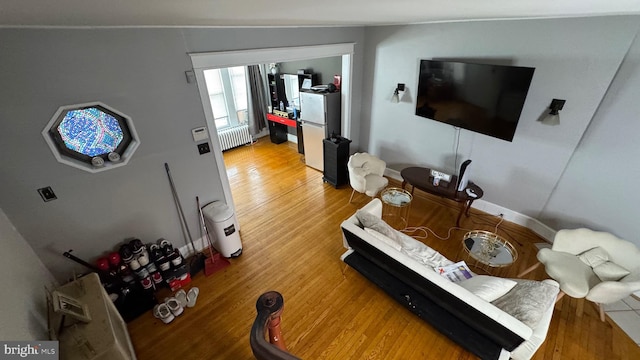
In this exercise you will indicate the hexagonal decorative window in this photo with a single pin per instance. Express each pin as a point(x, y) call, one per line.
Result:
point(92, 137)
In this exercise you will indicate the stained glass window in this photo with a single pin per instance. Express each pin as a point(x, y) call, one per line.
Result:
point(91, 136)
point(90, 131)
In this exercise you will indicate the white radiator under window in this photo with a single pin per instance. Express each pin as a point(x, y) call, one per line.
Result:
point(234, 136)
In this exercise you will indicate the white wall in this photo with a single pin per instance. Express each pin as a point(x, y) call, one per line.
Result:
point(141, 73)
point(599, 188)
point(575, 59)
point(23, 307)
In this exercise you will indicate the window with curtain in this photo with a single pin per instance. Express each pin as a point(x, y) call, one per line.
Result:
point(228, 95)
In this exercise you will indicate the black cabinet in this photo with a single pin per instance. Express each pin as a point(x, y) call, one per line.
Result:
point(336, 156)
point(277, 132)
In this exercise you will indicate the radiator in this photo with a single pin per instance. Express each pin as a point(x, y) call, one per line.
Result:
point(233, 137)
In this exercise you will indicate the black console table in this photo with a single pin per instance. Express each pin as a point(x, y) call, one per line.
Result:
point(278, 128)
point(419, 177)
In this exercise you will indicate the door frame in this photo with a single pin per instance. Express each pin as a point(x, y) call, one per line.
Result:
point(202, 61)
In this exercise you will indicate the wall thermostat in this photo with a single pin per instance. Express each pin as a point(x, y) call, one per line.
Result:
point(200, 134)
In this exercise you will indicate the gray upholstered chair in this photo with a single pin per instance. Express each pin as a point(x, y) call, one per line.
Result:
point(594, 265)
point(365, 174)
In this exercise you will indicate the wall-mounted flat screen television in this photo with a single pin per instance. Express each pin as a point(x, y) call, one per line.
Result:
point(487, 99)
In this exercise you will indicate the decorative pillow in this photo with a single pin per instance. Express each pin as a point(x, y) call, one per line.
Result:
point(488, 288)
point(594, 257)
point(608, 271)
point(528, 301)
point(385, 239)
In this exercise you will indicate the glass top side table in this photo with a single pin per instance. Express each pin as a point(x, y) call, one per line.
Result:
point(395, 207)
point(489, 250)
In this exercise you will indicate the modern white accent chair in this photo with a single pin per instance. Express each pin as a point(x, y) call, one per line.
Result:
point(365, 174)
point(594, 265)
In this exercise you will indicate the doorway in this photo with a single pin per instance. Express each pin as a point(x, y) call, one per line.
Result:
point(216, 60)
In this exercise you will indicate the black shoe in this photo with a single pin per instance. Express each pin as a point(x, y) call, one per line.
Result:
point(155, 253)
point(125, 253)
point(166, 247)
point(136, 246)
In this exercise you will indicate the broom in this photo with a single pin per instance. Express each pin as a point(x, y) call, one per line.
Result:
point(197, 262)
point(214, 262)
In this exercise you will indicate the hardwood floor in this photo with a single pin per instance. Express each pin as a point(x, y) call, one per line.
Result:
point(290, 227)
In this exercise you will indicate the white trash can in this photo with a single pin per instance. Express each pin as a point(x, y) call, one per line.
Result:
point(222, 226)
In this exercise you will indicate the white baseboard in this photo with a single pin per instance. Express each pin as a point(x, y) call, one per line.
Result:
point(532, 224)
point(199, 243)
point(292, 138)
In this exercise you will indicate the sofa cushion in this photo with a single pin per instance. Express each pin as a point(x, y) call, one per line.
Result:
point(608, 271)
point(488, 288)
point(594, 257)
point(528, 301)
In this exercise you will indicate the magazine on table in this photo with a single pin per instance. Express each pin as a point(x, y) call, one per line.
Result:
point(455, 272)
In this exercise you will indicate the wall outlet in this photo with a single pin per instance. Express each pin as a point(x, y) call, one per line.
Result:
point(203, 148)
point(47, 194)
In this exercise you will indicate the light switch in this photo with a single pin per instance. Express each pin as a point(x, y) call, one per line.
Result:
point(200, 134)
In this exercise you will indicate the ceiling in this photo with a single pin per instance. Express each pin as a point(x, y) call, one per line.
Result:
point(99, 13)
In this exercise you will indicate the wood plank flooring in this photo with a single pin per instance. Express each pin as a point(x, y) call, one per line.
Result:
point(290, 227)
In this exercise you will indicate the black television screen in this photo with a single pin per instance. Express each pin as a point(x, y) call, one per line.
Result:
point(487, 99)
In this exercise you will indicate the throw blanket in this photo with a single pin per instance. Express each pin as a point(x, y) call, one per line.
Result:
point(528, 301)
point(405, 243)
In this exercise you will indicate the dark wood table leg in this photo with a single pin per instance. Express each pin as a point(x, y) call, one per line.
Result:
point(462, 211)
point(469, 203)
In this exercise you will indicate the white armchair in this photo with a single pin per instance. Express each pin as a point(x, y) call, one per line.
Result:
point(599, 276)
point(365, 174)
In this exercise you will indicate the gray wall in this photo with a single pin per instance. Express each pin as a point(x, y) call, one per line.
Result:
point(575, 59)
point(324, 67)
point(23, 312)
point(599, 188)
point(140, 72)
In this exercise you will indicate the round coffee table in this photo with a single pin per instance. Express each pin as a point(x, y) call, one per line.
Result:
point(395, 207)
point(488, 250)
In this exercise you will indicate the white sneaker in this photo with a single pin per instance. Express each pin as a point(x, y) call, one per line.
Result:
point(181, 296)
point(174, 305)
point(162, 312)
point(192, 296)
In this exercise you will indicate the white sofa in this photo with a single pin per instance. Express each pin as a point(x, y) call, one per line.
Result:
point(475, 324)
